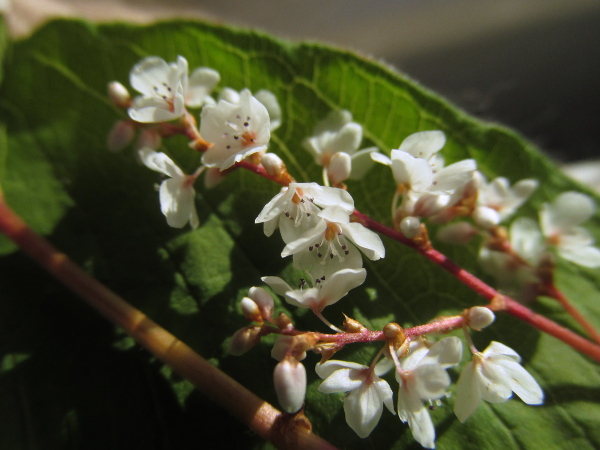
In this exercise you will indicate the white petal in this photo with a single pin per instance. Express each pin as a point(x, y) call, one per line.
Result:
point(381, 158)
point(430, 381)
point(201, 83)
point(424, 144)
point(153, 110)
point(526, 239)
point(327, 196)
point(363, 408)
point(274, 208)
point(308, 238)
point(569, 209)
point(346, 140)
point(268, 99)
point(159, 162)
point(454, 176)
point(290, 384)
point(586, 256)
point(494, 381)
point(498, 348)
point(149, 72)
point(304, 298)
point(368, 241)
point(468, 393)
point(412, 410)
point(409, 170)
point(177, 202)
point(277, 284)
point(339, 284)
point(328, 367)
point(522, 383)
point(343, 380)
point(446, 352)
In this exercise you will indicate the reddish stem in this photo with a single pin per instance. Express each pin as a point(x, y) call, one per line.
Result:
point(284, 430)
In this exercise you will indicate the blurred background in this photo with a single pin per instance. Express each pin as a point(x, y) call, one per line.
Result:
point(533, 65)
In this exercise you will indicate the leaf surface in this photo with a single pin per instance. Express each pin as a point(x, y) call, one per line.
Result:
point(70, 380)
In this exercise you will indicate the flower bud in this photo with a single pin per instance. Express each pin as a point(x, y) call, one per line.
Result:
point(289, 378)
point(273, 164)
point(243, 340)
point(120, 135)
point(339, 168)
point(213, 177)
point(264, 301)
point(410, 227)
point(118, 95)
point(486, 217)
point(149, 138)
point(457, 233)
point(479, 317)
point(250, 310)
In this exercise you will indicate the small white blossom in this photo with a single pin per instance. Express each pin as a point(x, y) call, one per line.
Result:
point(267, 98)
point(330, 245)
point(560, 222)
point(289, 378)
point(324, 293)
point(177, 193)
point(367, 392)
point(296, 207)
point(166, 89)
point(338, 134)
point(235, 130)
point(493, 375)
point(497, 200)
point(422, 376)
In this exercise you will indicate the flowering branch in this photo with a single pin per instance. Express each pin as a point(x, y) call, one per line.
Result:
point(283, 430)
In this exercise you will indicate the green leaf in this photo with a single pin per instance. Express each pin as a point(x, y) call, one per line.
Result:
point(68, 379)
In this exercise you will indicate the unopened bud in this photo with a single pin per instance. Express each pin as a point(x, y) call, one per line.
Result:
point(457, 233)
point(264, 301)
point(410, 227)
point(212, 177)
point(352, 326)
point(283, 321)
point(479, 317)
point(250, 310)
point(273, 164)
point(394, 334)
point(120, 135)
point(339, 168)
point(118, 95)
point(289, 378)
point(243, 340)
point(149, 138)
point(486, 217)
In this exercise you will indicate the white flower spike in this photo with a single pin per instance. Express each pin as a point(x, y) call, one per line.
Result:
point(493, 375)
point(235, 130)
point(177, 195)
point(367, 393)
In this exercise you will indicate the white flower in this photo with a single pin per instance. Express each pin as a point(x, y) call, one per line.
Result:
point(497, 200)
point(235, 130)
point(165, 89)
point(289, 378)
point(422, 376)
point(294, 206)
point(328, 246)
point(177, 193)
point(426, 185)
point(559, 221)
point(367, 392)
point(493, 375)
point(267, 98)
point(326, 292)
point(338, 134)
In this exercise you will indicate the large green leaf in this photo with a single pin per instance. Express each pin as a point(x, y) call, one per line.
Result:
point(68, 379)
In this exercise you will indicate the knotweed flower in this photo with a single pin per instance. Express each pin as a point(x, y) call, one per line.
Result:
point(235, 130)
point(493, 375)
point(367, 392)
point(166, 89)
point(422, 376)
point(177, 193)
point(267, 98)
point(560, 222)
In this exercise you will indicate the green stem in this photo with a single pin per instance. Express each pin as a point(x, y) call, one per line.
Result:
point(283, 430)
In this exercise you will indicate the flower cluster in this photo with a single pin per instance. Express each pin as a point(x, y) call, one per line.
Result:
point(327, 239)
